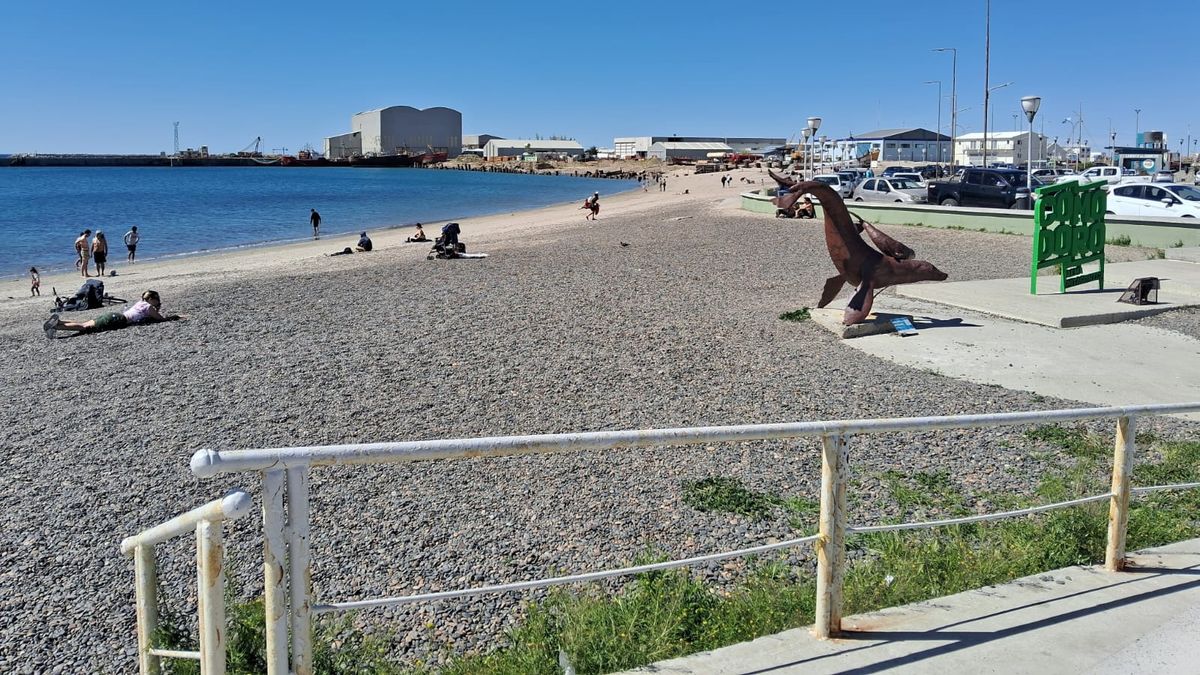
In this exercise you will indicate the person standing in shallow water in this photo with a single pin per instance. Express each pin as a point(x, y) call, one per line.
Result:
point(131, 241)
point(315, 219)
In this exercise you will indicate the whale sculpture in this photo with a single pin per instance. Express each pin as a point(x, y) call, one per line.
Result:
point(867, 269)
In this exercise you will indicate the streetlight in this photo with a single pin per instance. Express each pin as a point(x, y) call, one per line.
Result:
point(804, 168)
point(1069, 136)
point(953, 96)
point(1113, 137)
point(814, 123)
point(1137, 124)
point(987, 72)
point(938, 134)
point(1030, 105)
point(986, 96)
point(824, 150)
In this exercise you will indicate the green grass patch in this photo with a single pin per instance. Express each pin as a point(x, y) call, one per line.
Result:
point(1075, 441)
point(801, 314)
point(728, 495)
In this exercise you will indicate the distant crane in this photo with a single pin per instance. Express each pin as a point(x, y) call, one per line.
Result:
point(252, 149)
point(176, 154)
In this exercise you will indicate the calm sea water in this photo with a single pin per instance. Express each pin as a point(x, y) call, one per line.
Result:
point(187, 210)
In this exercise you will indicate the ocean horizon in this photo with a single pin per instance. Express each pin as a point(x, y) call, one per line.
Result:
point(183, 211)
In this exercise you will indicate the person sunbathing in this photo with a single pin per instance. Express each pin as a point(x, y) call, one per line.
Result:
point(145, 310)
point(418, 237)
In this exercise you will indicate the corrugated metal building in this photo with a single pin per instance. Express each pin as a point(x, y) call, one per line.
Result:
point(639, 146)
point(474, 141)
point(515, 147)
point(668, 150)
point(400, 129)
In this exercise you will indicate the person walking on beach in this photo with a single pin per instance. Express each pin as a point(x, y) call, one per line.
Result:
point(83, 251)
point(100, 252)
point(315, 219)
point(131, 241)
point(662, 186)
point(35, 282)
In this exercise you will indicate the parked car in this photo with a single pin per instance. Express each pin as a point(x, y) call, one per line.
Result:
point(1164, 176)
point(853, 178)
point(843, 186)
point(914, 177)
point(992, 188)
point(1108, 174)
point(894, 189)
point(893, 170)
point(1171, 200)
point(1051, 175)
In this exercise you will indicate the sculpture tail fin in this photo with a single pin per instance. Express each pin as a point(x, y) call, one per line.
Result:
point(833, 285)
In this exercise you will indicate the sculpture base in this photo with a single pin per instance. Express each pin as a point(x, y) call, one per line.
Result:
point(876, 323)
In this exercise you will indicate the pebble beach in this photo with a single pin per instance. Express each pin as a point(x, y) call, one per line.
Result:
point(664, 312)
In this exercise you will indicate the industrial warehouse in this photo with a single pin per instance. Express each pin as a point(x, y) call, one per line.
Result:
point(399, 130)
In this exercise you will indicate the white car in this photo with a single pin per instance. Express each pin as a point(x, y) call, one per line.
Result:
point(842, 186)
point(914, 177)
point(893, 189)
point(1156, 200)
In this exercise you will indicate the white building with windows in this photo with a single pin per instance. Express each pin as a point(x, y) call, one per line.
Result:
point(911, 145)
point(1004, 147)
point(638, 147)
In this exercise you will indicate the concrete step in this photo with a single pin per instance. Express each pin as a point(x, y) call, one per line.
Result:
point(1186, 254)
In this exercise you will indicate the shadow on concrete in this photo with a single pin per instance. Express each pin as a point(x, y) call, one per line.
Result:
point(967, 639)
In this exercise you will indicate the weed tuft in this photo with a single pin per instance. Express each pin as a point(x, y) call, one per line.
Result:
point(727, 495)
point(801, 314)
point(1120, 240)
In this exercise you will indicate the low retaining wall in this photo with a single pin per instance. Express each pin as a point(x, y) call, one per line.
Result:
point(1152, 232)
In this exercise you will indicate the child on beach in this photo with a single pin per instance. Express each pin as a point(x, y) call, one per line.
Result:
point(35, 282)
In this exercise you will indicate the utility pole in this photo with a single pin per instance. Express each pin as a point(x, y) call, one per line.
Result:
point(953, 97)
point(987, 66)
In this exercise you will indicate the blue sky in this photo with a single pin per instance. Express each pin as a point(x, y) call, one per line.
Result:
point(113, 76)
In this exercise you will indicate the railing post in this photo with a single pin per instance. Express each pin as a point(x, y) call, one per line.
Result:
point(145, 578)
point(831, 546)
point(274, 588)
point(300, 570)
point(210, 595)
point(1118, 505)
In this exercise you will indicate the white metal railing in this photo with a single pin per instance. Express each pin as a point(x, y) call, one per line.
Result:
point(290, 467)
point(205, 521)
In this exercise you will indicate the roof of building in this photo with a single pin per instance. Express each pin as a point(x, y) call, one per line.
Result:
point(904, 134)
point(407, 107)
point(677, 145)
point(534, 144)
point(978, 135)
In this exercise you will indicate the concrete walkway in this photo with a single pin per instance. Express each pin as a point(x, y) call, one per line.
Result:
point(1074, 620)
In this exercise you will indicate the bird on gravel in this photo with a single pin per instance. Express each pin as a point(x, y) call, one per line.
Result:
point(624, 243)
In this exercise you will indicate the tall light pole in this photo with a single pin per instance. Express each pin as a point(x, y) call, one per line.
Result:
point(987, 95)
point(1030, 105)
point(938, 134)
point(1112, 135)
point(807, 156)
point(987, 72)
point(814, 123)
point(1070, 139)
point(953, 96)
point(1137, 124)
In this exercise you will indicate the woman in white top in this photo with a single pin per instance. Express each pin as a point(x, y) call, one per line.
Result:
point(145, 310)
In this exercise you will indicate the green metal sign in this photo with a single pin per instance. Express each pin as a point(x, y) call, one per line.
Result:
point(1068, 232)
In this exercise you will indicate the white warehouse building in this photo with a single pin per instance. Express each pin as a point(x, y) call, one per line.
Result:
point(399, 130)
point(515, 147)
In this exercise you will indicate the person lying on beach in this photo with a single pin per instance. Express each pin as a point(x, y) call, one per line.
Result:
point(418, 237)
point(145, 310)
point(364, 243)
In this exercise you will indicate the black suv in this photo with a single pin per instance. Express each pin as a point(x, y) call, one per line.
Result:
point(992, 188)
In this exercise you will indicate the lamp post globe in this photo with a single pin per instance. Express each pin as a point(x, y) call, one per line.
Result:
point(1030, 105)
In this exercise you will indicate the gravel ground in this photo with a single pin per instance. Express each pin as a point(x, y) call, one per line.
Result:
point(566, 333)
point(1186, 321)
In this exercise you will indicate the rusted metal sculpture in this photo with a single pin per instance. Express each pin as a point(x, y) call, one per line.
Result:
point(857, 263)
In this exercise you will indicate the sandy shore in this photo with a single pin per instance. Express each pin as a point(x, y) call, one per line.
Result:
point(561, 329)
point(175, 272)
